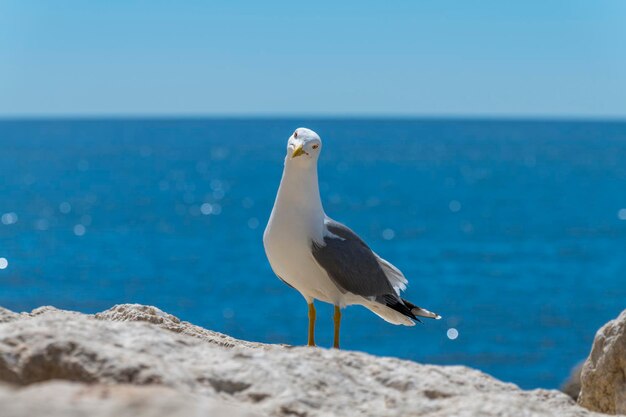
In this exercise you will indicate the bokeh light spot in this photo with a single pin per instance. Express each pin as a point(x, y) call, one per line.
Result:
point(388, 234)
point(9, 218)
point(79, 230)
point(65, 207)
point(454, 206)
point(206, 209)
point(452, 333)
point(253, 223)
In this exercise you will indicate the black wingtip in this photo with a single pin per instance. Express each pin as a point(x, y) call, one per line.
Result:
point(398, 304)
point(419, 311)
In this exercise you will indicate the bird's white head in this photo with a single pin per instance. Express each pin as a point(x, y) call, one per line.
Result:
point(303, 147)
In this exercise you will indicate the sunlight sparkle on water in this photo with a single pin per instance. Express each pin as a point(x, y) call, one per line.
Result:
point(3, 263)
point(253, 223)
point(454, 206)
point(9, 218)
point(452, 333)
point(79, 230)
point(206, 209)
point(65, 207)
point(388, 234)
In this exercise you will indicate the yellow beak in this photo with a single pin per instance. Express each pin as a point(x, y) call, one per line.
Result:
point(297, 152)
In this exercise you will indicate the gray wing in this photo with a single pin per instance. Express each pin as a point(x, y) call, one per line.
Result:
point(351, 264)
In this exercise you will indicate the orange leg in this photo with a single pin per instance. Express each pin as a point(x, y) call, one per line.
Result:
point(311, 325)
point(337, 320)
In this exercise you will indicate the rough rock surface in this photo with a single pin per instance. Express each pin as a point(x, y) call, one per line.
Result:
point(150, 314)
point(7, 315)
point(70, 399)
point(603, 378)
point(141, 358)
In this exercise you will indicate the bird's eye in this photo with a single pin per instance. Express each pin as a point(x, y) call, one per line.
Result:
point(315, 146)
point(295, 134)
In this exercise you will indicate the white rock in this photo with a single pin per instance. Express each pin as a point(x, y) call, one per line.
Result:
point(146, 346)
point(70, 399)
point(7, 315)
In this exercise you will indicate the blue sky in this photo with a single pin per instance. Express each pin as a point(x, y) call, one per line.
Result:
point(424, 58)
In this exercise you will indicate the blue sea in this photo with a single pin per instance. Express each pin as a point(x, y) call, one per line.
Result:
point(514, 231)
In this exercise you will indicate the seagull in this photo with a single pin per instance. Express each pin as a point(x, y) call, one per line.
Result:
point(323, 259)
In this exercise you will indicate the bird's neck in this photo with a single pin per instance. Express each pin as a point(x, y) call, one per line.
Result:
point(299, 189)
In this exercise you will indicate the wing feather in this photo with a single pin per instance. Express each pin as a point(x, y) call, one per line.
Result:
point(351, 264)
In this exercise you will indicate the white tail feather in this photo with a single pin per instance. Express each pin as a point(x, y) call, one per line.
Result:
point(396, 278)
point(422, 312)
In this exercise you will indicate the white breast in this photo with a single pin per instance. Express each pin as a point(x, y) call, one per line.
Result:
point(296, 220)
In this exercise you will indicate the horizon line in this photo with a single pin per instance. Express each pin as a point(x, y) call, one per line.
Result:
point(314, 116)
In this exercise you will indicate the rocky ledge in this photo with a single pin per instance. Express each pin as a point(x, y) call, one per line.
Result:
point(135, 360)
